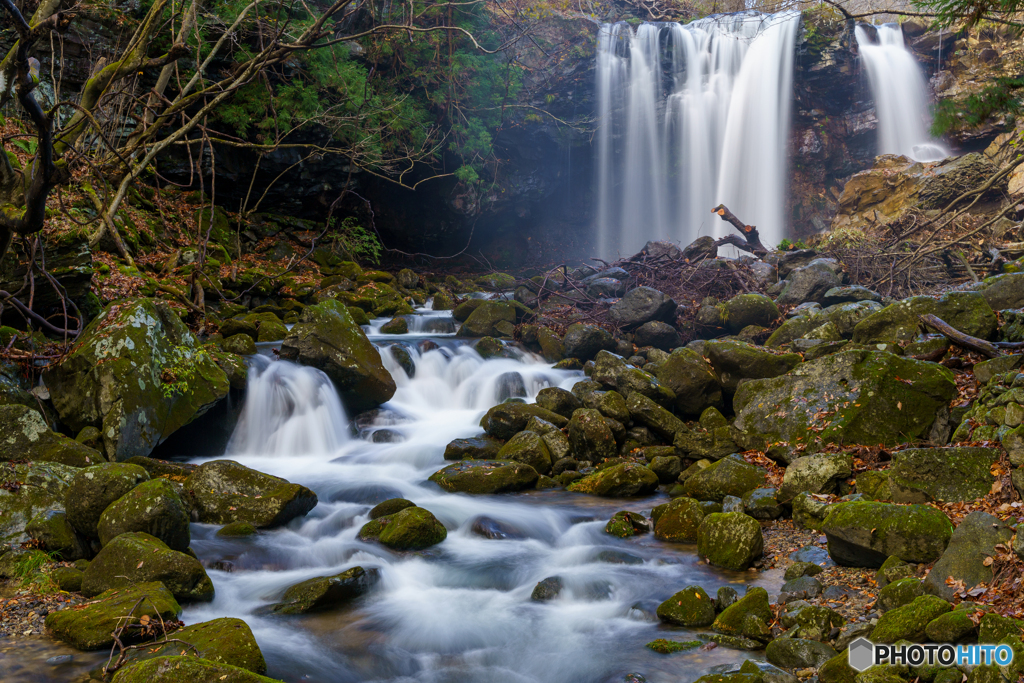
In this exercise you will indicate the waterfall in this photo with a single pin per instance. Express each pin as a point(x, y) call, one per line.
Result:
point(692, 116)
point(901, 97)
point(289, 409)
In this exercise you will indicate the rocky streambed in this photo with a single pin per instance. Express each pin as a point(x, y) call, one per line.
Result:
point(480, 494)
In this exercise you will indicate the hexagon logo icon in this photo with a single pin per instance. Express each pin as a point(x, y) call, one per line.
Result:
point(861, 654)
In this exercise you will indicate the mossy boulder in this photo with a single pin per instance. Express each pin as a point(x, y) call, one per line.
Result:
point(528, 448)
point(692, 379)
point(395, 326)
point(689, 607)
point(186, 668)
point(237, 530)
point(749, 309)
point(819, 473)
point(584, 341)
point(753, 603)
point(964, 558)
point(153, 507)
point(910, 621)
point(29, 490)
point(952, 627)
point(730, 476)
point(735, 361)
point(390, 507)
point(412, 528)
point(224, 641)
point(223, 491)
point(137, 557)
point(505, 420)
point(490, 319)
point(798, 653)
point(94, 488)
point(865, 534)
point(461, 312)
point(856, 396)
point(625, 524)
point(138, 375)
point(647, 412)
point(618, 481)
point(25, 436)
point(667, 647)
point(730, 539)
point(52, 533)
point(324, 593)
point(899, 593)
point(679, 521)
point(475, 448)
point(591, 437)
point(239, 344)
point(921, 475)
point(327, 338)
point(90, 626)
point(811, 622)
point(559, 401)
point(486, 476)
point(968, 312)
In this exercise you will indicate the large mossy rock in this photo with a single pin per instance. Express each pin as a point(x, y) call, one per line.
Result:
point(412, 528)
point(865, 534)
point(811, 282)
point(819, 473)
point(730, 476)
point(798, 653)
point(223, 491)
point(25, 436)
point(749, 309)
point(90, 626)
point(505, 420)
point(224, 641)
point(694, 382)
point(921, 475)
point(968, 312)
point(486, 476)
point(327, 338)
point(735, 361)
point(624, 480)
point(584, 341)
point(186, 669)
point(853, 397)
point(137, 374)
point(94, 488)
point(730, 539)
point(679, 520)
point(1004, 291)
point(153, 507)
point(137, 557)
point(691, 606)
point(754, 603)
point(528, 448)
point(642, 305)
point(29, 490)
point(52, 533)
point(590, 437)
point(324, 593)
point(645, 411)
point(972, 544)
point(490, 319)
point(910, 621)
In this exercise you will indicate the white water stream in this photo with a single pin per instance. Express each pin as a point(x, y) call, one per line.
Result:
point(460, 611)
point(900, 94)
point(692, 116)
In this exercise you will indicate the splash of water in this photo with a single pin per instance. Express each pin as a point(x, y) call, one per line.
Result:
point(715, 132)
point(901, 97)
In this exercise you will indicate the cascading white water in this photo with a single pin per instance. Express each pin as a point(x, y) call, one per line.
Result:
point(460, 610)
point(900, 94)
point(714, 133)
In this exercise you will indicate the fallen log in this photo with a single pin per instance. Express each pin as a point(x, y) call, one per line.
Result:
point(752, 240)
point(966, 341)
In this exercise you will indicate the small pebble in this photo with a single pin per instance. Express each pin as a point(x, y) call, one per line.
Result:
point(60, 659)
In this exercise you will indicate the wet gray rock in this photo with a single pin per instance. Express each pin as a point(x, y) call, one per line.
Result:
point(642, 305)
point(811, 282)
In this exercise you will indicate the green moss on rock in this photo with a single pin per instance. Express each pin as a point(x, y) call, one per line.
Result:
point(730, 539)
point(619, 481)
point(137, 557)
point(90, 626)
point(667, 647)
point(689, 607)
point(153, 507)
point(486, 476)
point(186, 669)
point(25, 436)
point(865, 534)
point(224, 641)
point(910, 621)
point(223, 491)
point(679, 521)
point(94, 488)
point(327, 592)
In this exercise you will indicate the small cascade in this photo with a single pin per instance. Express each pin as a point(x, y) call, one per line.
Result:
point(900, 93)
point(289, 409)
point(692, 116)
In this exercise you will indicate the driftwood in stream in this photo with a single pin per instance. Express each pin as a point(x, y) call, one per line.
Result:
point(985, 348)
point(751, 240)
